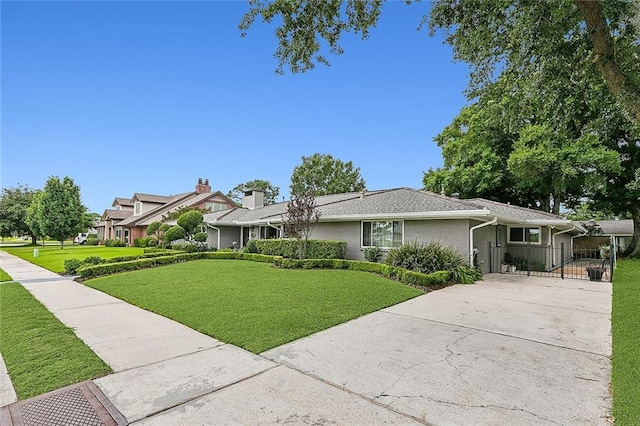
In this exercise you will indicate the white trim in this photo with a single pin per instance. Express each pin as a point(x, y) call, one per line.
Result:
point(493, 221)
point(362, 246)
point(524, 227)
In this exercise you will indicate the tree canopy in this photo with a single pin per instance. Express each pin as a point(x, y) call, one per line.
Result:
point(511, 37)
point(14, 203)
point(270, 192)
point(321, 174)
point(59, 212)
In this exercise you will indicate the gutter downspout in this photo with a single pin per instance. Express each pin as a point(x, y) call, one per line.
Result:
point(491, 222)
point(553, 243)
point(217, 229)
point(276, 228)
point(576, 236)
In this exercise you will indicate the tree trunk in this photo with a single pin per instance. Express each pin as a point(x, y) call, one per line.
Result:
point(625, 89)
point(634, 246)
point(34, 240)
point(61, 244)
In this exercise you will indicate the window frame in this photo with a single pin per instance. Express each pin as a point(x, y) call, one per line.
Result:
point(524, 235)
point(362, 222)
point(137, 208)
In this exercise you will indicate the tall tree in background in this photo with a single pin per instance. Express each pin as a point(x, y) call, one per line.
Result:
point(14, 203)
point(323, 175)
point(34, 217)
point(270, 192)
point(60, 212)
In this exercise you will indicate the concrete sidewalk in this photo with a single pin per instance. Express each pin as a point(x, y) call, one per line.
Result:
point(509, 350)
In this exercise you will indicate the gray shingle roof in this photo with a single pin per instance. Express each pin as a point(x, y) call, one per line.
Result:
point(392, 202)
point(516, 212)
point(615, 227)
point(122, 201)
point(151, 198)
point(116, 214)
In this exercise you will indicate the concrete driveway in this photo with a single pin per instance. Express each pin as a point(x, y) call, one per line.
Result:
point(508, 350)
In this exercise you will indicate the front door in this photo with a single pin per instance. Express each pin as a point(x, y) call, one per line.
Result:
point(246, 234)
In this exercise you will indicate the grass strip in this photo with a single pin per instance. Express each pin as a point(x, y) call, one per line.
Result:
point(4, 276)
point(40, 352)
point(626, 343)
point(254, 305)
point(53, 257)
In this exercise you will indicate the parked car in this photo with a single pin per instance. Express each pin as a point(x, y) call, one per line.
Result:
point(81, 238)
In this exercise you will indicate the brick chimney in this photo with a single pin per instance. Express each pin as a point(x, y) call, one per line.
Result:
point(203, 188)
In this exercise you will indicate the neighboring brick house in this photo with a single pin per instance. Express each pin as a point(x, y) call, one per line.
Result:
point(148, 208)
point(108, 227)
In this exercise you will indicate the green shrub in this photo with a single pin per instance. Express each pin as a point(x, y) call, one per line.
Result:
point(465, 275)
point(174, 233)
point(114, 243)
point(373, 254)
point(132, 265)
point(143, 242)
point(200, 237)
point(425, 257)
point(157, 250)
point(425, 280)
point(92, 260)
point(288, 247)
point(252, 246)
point(92, 241)
point(152, 242)
point(71, 266)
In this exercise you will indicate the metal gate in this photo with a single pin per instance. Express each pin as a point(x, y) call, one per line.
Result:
point(559, 262)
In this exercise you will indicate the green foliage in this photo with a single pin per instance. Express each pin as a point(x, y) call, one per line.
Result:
point(132, 265)
point(71, 265)
point(301, 216)
point(153, 228)
point(40, 352)
point(174, 233)
point(200, 237)
point(190, 221)
point(143, 242)
point(373, 254)
point(270, 192)
point(625, 318)
point(92, 242)
point(435, 279)
point(286, 247)
point(14, 203)
point(323, 175)
point(173, 215)
point(34, 216)
point(150, 250)
point(62, 214)
point(465, 275)
point(164, 227)
point(425, 257)
point(114, 242)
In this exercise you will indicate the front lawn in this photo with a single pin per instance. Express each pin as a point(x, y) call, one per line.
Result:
point(4, 276)
point(254, 305)
point(625, 321)
point(40, 352)
point(53, 257)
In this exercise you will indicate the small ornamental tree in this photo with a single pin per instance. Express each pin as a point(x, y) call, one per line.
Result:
point(173, 234)
point(301, 216)
point(62, 214)
point(190, 222)
point(161, 231)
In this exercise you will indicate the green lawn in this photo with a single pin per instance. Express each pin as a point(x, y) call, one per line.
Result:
point(626, 343)
point(253, 305)
point(4, 276)
point(40, 352)
point(53, 257)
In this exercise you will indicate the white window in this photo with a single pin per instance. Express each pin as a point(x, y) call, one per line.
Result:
point(137, 208)
point(216, 207)
point(383, 234)
point(524, 235)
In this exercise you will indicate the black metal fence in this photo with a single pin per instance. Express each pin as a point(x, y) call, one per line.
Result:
point(559, 262)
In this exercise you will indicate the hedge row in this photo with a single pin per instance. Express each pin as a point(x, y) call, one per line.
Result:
point(287, 247)
point(402, 275)
point(151, 261)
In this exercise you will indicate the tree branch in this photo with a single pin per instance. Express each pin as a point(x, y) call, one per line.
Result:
point(605, 58)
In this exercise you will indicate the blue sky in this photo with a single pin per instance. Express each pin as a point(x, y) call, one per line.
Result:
point(146, 97)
